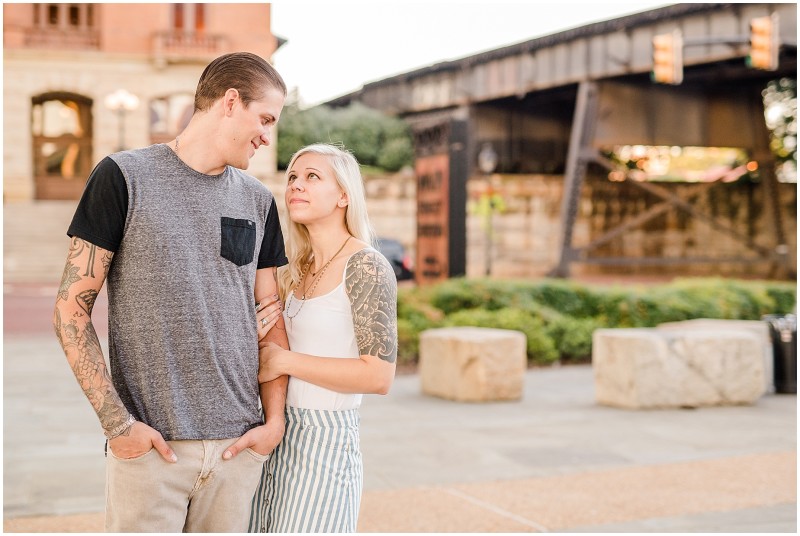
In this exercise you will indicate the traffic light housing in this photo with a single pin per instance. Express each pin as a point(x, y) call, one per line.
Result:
point(668, 58)
point(764, 43)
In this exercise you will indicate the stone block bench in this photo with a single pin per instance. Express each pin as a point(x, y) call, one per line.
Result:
point(759, 328)
point(471, 364)
point(640, 368)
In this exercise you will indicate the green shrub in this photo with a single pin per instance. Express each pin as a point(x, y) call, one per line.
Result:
point(407, 342)
point(559, 317)
point(540, 347)
point(413, 317)
point(536, 309)
point(566, 297)
point(659, 305)
point(459, 294)
point(784, 298)
point(454, 295)
point(685, 299)
point(573, 337)
point(614, 307)
point(728, 298)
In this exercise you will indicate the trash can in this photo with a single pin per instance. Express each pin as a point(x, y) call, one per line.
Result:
point(783, 332)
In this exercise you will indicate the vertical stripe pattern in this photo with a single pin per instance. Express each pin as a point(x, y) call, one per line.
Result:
point(313, 480)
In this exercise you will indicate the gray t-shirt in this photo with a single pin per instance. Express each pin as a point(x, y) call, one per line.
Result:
point(183, 346)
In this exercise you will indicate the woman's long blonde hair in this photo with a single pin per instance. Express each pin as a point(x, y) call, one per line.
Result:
point(298, 243)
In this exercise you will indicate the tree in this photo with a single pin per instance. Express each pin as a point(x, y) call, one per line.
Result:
point(374, 139)
point(780, 112)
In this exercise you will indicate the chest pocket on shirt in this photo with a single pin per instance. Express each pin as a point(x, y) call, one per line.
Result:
point(238, 240)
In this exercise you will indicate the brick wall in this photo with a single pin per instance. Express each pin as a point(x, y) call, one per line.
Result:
point(526, 240)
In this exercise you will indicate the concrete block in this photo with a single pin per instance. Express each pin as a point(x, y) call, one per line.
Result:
point(759, 328)
point(471, 364)
point(640, 368)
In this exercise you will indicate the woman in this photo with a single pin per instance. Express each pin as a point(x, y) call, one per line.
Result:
point(340, 313)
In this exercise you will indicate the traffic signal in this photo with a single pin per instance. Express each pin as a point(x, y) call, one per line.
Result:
point(668, 58)
point(764, 43)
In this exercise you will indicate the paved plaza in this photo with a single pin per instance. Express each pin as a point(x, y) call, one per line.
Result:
point(553, 462)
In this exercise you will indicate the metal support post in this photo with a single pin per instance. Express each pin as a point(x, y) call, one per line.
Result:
point(583, 125)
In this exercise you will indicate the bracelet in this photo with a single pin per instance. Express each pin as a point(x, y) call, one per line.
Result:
point(121, 429)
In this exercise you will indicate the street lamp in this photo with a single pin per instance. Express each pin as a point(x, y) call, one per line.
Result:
point(487, 163)
point(121, 101)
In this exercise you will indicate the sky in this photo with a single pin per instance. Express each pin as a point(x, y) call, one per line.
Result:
point(334, 48)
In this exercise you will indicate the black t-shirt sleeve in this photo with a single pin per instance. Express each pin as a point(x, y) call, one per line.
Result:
point(272, 253)
point(103, 208)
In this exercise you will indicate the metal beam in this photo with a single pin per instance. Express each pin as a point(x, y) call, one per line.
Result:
point(584, 122)
point(686, 206)
point(641, 219)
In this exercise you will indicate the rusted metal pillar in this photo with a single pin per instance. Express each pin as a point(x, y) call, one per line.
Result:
point(578, 156)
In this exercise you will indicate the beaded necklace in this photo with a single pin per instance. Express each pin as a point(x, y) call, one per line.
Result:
point(310, 292)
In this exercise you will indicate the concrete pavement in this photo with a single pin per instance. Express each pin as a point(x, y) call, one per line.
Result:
point(554, 461)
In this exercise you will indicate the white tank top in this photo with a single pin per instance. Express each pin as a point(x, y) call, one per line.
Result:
point(323, 327)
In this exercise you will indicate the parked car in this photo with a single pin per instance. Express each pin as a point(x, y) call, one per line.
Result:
point(396, 254)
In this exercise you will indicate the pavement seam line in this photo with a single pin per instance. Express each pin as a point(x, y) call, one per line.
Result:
point(497, 510)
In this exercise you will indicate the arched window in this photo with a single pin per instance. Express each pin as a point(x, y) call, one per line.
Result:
point(169, 115)
point(61, 128)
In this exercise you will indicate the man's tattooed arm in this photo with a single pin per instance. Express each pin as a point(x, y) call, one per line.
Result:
point(372, 288)
point(84, 273)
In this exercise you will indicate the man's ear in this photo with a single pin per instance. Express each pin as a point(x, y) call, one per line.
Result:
point(229, 99)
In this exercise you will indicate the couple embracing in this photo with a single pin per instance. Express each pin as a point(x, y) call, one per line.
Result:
point(222, 416)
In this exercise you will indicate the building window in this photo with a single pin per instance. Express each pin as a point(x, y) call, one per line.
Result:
point(62, 144)
point(169, 115)
point(52, 14)
point(177, 10)
point(199, 17)
point(188, 17)
point(74, 15)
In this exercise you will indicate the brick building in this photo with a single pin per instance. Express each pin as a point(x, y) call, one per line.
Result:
point(63, 61)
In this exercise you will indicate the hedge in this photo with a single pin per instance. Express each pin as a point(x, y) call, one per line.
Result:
point(558, 317)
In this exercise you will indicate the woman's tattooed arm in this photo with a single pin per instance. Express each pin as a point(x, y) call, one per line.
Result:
point(372, 288)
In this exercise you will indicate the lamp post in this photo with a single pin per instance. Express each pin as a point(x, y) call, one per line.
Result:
point(121, 101)
point(487, 163)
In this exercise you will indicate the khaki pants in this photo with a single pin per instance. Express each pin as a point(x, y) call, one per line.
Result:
point(200, 493)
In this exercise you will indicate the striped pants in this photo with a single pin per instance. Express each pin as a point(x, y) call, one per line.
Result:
point(313, 480)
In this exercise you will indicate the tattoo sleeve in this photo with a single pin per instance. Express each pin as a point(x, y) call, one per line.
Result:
point(70, 270)
point(372, 288)
point(72, 321)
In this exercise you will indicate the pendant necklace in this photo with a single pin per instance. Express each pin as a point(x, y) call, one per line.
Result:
point(307, 294)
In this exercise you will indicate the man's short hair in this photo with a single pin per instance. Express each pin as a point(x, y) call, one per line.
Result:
point(246, 72)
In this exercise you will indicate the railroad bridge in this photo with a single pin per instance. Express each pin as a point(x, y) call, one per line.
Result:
point(561, 105)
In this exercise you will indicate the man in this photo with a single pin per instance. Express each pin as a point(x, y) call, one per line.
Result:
point(187, 242)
